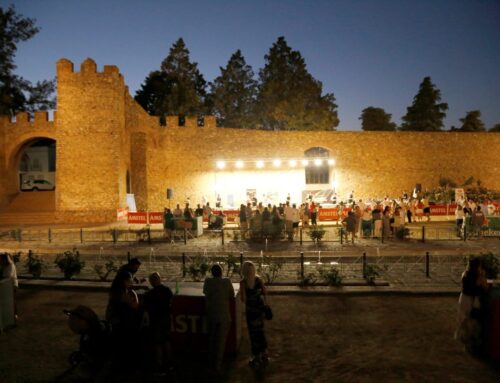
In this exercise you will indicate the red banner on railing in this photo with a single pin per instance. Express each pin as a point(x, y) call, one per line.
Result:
point(141, 218)
point(155, 217)
point(122, 214)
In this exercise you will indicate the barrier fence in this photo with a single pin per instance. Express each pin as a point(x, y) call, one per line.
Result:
point(295, 268)
point(332, 234)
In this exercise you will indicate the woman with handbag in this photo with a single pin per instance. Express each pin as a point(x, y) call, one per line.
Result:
point(253, 295)
point(474, 286)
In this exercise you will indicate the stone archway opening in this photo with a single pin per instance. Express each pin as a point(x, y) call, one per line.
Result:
point(36, 165)
point(30, 181)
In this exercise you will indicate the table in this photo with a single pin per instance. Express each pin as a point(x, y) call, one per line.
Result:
point(189, 327)
point(6, 304)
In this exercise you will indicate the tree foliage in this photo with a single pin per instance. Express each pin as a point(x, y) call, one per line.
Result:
point(178, 88)
point(289, 97)
point(16, 93)
point(427, 112)
point(472, 122)
point(234, 92)
point(376, 119)
point(495, 129)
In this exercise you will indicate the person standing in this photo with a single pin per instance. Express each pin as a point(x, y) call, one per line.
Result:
point(218, 292)
point(313, 212)
point(158, 303)
point(243, 221)
point(350, 226)
point(253, 295)
point(8, 271)
point(124, 316)
point(474, 286)
point(459, 219)
point(477, 221)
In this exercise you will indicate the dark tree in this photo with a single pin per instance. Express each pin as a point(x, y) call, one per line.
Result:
point(472, 122)
point(234, 93)
point(427, 111)
point(376, 119)
point(177, 89)
point(495, 129)
point(289, 97)
point(16, 93)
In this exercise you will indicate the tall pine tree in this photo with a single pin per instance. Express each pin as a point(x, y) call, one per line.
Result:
point(289, 97)
point(16, 93)
point(472, 122)
point(234, 93)
point(376, 119)
point(427, 112)
point(177, 89)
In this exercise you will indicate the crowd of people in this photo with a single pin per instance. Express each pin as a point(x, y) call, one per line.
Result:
point(136, 332)
point(370, 218)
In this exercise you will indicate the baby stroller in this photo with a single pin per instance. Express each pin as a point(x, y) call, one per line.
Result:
point(95, 337)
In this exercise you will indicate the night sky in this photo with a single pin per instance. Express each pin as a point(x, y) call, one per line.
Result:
point(368, 53)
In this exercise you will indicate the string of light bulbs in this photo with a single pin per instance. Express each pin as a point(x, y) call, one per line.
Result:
point(259, 164)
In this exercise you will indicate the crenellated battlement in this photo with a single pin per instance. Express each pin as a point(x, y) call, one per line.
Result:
point(190, 122)
point(24, 119)
point(65, 67)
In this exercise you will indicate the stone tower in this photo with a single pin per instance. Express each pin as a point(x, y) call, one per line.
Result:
point(91, 147)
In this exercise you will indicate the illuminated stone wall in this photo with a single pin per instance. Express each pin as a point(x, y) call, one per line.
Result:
point(372, 164)
point(101, 134)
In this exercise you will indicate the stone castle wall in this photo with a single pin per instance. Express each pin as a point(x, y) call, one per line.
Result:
point(102, 134)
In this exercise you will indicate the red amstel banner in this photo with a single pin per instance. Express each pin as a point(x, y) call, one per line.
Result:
point(141, 218)
point(155, 217)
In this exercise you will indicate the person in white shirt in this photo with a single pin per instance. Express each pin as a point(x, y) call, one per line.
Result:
point(8, 271)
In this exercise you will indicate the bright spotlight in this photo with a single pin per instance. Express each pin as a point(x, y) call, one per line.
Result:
point(277, 163)
point(335, 184)
point(221, 164)
point(260, 164)
point(331, 162)
point(304, 162)
point(317, 162)
point(292, 163)
point(239, 164)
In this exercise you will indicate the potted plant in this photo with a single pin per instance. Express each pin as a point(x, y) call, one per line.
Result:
point(198, 268)
point(331, 276)
point(35, 265)
point(306, 280)
point(70, 263)
point(103, 271)
point(371, 274)
point(316, 233)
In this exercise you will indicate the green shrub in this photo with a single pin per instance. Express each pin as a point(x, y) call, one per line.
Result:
point(307, 280)
point(35, 265)
point(233, 265)
point(371, 274)
point(269, 269)
point(70, 263)
point(316, 233)
point(331, 276)
point(198, 268)
point(103, 271)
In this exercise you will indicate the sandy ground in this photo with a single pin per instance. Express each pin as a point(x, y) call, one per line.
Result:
point(312, 339)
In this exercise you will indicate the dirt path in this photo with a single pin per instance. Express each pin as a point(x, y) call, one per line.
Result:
point(312, 339)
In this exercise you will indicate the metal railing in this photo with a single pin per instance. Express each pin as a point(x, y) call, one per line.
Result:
point(332, 234)
point(413, 269)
